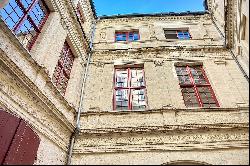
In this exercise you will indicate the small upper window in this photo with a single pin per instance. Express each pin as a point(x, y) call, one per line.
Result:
point(177, 34)
point(26, 18)
point(127, 36)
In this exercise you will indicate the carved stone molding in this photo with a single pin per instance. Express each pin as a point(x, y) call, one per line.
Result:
point(148, 19)
point(164, 141)
point(163, 53)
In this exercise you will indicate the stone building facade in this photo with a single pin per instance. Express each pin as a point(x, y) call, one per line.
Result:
point(74, 85)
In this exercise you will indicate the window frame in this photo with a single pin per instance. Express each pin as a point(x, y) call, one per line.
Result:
point(129, 87)
point(80, 13)
point(127, 35)
point(195, 86)
point(177, 34)
point(26, 16)
point(57, 80)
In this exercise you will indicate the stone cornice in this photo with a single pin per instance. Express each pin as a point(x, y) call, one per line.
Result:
point(167, 53)
point(5, 49)
point(230, 22)
point(156, 18)
point(184, 140)
point(37, 92)
point(75, 33)
point(237, 109)
point(168, 128)
point(169, 119)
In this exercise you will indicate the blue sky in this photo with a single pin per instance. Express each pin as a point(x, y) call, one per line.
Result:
point(114, 7)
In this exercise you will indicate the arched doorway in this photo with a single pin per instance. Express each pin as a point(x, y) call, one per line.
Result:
point(18, 142)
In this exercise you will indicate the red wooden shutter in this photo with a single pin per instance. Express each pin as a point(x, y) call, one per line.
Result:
point(24, 148)
point(8, 126)
point(18, 142)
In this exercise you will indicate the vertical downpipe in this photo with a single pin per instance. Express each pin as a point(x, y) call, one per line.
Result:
point(77, 129)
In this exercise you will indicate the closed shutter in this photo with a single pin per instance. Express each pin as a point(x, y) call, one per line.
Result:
point(23, 141)
point(8, 127)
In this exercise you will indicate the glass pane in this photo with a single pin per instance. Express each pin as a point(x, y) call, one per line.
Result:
point(121, 78)
point(121, 37)
point(121, 99)
point(198, 75)
point(189, 97)
point(138, 99)
point(206, 96)
point(136, 36)
point(137, 79)
point(26, 3)
point(184, 80)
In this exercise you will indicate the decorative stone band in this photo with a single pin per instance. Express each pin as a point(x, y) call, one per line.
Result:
point(164, 141)
point(168, 128)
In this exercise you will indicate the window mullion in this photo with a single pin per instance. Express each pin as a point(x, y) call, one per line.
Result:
point(194, 85)
point(33, 23)
point(129, 90)
point(25, 13)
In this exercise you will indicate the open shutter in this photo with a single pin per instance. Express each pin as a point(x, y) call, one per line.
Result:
point(24, 147)
point(8, 127)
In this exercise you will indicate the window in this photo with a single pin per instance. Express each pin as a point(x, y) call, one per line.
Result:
point(127, 36)
point(177, 34)
point(26, 18)
point(62, 72)
point(129, 89)
point(243, 27)
point(195, 87)
point(79, 13)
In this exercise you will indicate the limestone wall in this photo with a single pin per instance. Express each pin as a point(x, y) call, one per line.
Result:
point(151, 30)
point(163, 90)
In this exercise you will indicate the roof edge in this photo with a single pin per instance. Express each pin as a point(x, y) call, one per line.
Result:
point(154, 15)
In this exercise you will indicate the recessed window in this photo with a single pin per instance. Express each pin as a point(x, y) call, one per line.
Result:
point(129, 89)
point(79, 13)
point(127, 36)
point(26, 18)
point(243, 27)
point(177, 34)
point(62, 72)
point(195, 87)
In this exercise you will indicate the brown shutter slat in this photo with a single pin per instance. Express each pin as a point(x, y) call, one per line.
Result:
point(8, 126)
point(24, 147)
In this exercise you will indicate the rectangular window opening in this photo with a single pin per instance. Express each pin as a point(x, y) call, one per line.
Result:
point(25, 19)
point(243, 27)
point(127, 35)
point(80, 13)
point(129, 89)
point(195, 87)
point(177, 34)
point(61, 75)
